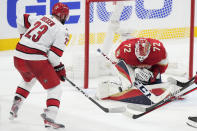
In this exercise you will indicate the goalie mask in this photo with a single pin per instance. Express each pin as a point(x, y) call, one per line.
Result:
point(142, 49)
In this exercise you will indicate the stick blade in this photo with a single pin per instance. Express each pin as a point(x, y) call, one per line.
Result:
point(136, 107)
point(117, 110)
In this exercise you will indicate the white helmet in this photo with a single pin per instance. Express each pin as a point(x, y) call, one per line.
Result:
point(142, 49)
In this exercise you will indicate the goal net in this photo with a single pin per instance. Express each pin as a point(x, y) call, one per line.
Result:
point(110, 22)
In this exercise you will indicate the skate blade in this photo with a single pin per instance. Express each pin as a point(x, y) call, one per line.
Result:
point(54, 129)
point(12, 117)
point(191, 124)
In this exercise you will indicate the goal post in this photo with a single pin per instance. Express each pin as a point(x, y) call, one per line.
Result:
point(147, 15)
point(191, 58)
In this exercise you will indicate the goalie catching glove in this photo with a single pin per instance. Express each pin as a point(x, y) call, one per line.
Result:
point(107, 88)
point(145, 76)
point(61, 72)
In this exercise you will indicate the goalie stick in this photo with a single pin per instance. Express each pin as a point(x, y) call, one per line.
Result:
point(182, 84)
point(123, 70)
point(107, 110)
point(164, 101)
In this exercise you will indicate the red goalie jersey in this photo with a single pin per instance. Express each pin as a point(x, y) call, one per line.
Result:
point(143, 53)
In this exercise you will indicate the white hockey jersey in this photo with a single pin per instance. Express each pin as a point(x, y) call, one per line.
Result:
point(44, 37)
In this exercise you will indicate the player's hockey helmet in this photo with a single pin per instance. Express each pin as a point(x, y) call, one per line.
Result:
point(142, 49)
point(61, 10)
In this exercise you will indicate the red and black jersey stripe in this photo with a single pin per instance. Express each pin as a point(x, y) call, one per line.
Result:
point(28, 50)
point(22, 92)
point(53, 102)
point(57, 51)
point(26, 22)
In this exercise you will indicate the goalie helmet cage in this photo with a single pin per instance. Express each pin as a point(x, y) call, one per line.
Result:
point(87, 35)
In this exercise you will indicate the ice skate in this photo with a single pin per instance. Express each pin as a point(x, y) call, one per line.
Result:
point(192, 121)
point(49, 123)
point(15, 107)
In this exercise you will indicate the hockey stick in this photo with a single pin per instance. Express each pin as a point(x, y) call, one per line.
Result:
point(164, 101)
point(103, 54)
point(107, 110)
point(181, 84)
point(123, 70)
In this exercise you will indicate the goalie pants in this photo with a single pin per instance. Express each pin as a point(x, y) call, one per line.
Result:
point(42, 70)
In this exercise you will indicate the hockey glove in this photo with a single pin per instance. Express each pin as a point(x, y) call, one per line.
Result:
point(21, 35)
point(143, 75)
point(61, 72)
point(156, 75)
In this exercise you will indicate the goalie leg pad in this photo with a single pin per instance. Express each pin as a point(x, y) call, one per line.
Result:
point(107, 88)
point(135, 96)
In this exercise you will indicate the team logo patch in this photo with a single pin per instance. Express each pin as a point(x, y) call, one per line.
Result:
point(45, 81)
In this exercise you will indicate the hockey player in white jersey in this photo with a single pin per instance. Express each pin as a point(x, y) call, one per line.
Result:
point(37, 57)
